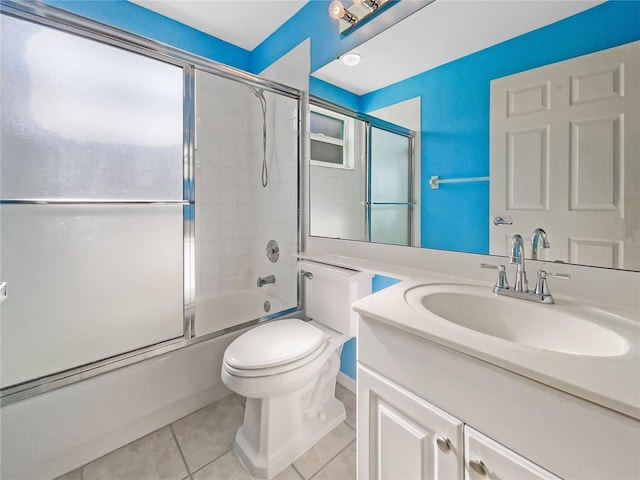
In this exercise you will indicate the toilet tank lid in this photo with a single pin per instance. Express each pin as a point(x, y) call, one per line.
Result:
point(274, 343)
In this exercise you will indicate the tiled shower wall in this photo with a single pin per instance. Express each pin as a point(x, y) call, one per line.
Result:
point(337, 195)
point(235, 215)
point(275, 207)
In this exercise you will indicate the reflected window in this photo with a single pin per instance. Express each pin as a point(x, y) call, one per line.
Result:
point(331, 139)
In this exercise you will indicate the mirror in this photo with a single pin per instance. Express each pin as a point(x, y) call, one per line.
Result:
point(488, 78)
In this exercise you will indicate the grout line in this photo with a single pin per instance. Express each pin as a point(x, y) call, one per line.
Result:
point(213, 460)
point(331, 459)
point(184, 460)
point(297, 471)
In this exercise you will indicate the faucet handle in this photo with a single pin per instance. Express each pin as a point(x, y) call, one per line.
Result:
point(541, 284)
point(501, 282)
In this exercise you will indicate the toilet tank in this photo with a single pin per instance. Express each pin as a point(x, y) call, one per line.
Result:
point(329, 293)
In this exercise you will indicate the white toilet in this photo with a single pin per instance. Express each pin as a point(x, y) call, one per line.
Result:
point(287, 369)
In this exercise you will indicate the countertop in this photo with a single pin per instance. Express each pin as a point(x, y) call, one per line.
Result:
point(612, 382)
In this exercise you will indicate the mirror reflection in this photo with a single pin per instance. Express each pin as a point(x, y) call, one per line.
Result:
point(362, 178)
point(526, 120)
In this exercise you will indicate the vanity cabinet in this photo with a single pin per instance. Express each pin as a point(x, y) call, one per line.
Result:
point(486, 459)
point(402, 436)
point(427, 411)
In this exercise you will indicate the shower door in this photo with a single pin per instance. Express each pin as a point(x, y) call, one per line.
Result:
point(91, 190)
point(390, 202)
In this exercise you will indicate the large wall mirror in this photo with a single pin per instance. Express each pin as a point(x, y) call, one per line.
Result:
point(527, 120)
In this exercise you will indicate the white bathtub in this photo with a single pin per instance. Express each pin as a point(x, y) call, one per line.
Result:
point(224, 310)
point(90, 423)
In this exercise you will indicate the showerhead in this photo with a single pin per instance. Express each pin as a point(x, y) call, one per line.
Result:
point(259, 93)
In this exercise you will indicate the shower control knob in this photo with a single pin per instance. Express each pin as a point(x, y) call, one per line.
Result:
point(444, 444)
point(273, 251)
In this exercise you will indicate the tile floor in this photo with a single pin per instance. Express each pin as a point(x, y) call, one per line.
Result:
point(200, 447)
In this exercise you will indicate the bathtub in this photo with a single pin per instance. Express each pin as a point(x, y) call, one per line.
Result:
point(90, 421)
point(221, 311)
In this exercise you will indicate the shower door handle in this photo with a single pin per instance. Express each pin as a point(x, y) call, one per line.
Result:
point(3, 291)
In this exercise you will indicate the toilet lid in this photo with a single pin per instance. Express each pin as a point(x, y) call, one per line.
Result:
point(274, 343)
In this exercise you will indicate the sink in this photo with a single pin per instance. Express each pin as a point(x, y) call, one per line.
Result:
point(561, 327)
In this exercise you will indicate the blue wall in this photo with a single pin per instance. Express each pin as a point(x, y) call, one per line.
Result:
point(311, 21)
point(334, 94)
point(455, 115)
point(348, 357)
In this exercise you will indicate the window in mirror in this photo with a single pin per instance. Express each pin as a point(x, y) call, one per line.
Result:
point(331, 139)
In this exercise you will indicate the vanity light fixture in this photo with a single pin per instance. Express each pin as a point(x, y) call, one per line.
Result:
point(357, 13)
point(337, 11)
point(372, 4)
point(351, 59)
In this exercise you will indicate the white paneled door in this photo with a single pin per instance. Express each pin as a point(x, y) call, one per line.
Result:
point(565, 157)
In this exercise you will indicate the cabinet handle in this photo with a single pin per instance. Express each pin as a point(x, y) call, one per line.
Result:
point(478, 467)
point(444, 444)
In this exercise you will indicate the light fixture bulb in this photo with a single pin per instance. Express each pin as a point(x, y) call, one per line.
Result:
point(351, 59)
point(336, 9)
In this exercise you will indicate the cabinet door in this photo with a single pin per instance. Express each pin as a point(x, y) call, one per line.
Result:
point(486, 459)
point(401, 436)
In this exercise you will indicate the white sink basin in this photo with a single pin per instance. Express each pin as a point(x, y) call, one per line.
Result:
point(558, 328)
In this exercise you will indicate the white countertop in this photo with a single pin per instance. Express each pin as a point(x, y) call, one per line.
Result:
point(613, 382)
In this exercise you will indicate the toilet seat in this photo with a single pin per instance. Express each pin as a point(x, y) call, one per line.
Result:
point(269, 350)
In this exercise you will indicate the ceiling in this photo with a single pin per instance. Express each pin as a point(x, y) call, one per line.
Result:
point(244, 23)
point(441, 32)
point(436, 34)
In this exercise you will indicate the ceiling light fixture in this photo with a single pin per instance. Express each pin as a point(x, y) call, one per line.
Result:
point(337, 11)
point(351, 59)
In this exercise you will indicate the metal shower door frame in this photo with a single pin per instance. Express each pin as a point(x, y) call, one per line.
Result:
point(62, 20)
point(372, 123)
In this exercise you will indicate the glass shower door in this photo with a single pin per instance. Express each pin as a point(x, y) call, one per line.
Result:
point(91, 201)
point(390, 203)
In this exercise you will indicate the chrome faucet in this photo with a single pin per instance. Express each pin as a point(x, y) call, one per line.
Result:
point(521, 287)
point(517, 256)
point(265, 280)
point(538, 234)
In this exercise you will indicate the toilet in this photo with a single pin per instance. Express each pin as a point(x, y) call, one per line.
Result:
point(287, 370)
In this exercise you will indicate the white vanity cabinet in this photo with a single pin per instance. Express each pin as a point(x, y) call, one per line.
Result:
point(486, 459)
point(426, 411)
point(401, 436)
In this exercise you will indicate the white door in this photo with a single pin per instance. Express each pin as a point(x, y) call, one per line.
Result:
point(401, 436)
point(565, 157)
point(487, 459)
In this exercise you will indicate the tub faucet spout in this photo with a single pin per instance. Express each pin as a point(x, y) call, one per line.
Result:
point(265, 280)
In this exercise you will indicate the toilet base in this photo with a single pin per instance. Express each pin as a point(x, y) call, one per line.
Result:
point(277, 430)
point(268, 464)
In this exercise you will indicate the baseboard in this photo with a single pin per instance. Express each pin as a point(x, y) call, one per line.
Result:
point(347, 382)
